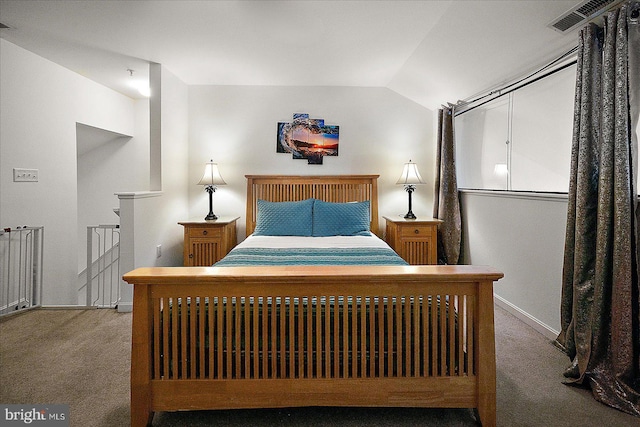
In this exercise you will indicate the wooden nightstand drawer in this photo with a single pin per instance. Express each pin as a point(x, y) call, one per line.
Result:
point(416, 231)
point(205, 232)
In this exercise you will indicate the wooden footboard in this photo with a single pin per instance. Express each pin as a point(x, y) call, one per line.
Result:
point(246, 337)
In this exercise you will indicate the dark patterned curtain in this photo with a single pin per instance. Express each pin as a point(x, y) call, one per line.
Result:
point(600, 309)
point(446, 205)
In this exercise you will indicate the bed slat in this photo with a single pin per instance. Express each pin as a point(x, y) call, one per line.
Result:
point(253, 337)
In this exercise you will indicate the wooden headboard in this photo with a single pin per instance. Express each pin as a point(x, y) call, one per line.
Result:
point(330, 188)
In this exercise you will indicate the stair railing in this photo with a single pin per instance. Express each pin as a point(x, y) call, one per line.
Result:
point(103, 266)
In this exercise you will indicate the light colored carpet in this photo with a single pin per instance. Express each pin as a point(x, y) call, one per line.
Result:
point(81, 358)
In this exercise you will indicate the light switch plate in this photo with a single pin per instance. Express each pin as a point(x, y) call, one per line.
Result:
point(25, 175)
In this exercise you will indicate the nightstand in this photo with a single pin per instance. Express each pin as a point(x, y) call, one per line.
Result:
point(206, 242)
point(415, 240)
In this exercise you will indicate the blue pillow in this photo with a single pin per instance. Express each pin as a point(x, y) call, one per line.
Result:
point(341, 219)
point(284, 218)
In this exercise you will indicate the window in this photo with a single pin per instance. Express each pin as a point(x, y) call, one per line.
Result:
point(520, 141)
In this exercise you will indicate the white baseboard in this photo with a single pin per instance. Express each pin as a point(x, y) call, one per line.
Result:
point(539, 326)
point(126, 307)
point(68, 307)
point(122, 308)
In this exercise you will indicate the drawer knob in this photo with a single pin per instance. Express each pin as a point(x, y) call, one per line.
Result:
point(416, 231)
point(204, 232)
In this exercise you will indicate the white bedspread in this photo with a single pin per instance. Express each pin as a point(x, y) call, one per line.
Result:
point(372, 241)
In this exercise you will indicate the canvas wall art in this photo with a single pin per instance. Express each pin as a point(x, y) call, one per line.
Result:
point(308, 139)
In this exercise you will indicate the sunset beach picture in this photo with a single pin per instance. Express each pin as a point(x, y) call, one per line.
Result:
point(308, 138)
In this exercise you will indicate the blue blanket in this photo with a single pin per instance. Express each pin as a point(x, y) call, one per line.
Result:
point(310, 256)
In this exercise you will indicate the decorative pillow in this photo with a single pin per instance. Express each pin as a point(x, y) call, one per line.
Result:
point(284, 218)
point(341, 219)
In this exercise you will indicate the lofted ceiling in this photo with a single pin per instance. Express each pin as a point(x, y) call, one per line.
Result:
point(431, 52)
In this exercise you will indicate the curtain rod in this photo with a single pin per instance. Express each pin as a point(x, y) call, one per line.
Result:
point(547, 70)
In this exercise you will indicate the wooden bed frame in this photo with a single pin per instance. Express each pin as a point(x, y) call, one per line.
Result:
point(268, 337)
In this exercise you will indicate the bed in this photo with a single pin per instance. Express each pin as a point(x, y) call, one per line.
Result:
point(287, 334)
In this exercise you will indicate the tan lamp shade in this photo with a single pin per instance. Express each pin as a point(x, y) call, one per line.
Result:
point(410, 175)
point(211, 175)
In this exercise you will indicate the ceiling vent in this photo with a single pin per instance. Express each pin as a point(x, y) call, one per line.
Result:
point(582, 13)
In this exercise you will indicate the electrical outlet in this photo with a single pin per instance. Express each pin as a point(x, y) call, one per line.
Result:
point(25, 175)
point(158, 251)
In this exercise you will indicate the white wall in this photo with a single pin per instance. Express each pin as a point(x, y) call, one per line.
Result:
point(236, 127)
point(523, 236)
point(153, 217)
point(40, 105)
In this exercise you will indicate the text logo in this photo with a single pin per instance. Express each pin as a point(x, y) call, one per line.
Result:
point(34, 415)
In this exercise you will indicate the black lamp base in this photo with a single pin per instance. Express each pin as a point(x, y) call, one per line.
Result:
point(409, 189)
point(211, 216)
